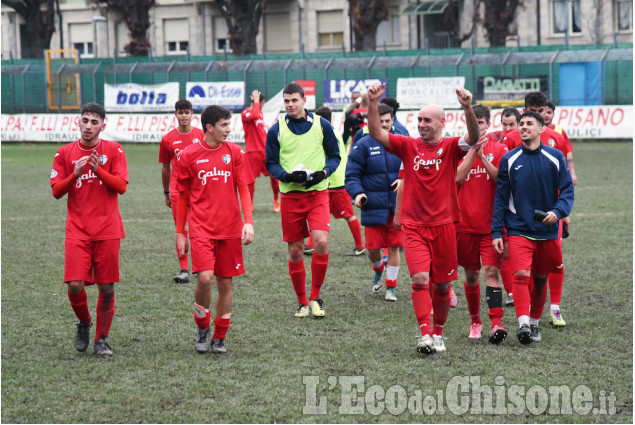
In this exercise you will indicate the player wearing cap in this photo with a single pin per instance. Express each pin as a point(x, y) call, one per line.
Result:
point(93, 172)
point(208, 172)
point(171, 144)
point(429, 207)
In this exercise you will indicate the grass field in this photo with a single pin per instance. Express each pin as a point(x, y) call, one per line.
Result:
point(157, 377)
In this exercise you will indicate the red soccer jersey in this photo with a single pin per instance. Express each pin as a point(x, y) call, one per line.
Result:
point(548, 137)
point(561, 131)
point(476, 194)
point(255, 129)
point(212, 175)
point(429, 188)
point(173, 143)
point(93, 209)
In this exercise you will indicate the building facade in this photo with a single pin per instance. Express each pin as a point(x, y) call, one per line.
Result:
point(292, 26)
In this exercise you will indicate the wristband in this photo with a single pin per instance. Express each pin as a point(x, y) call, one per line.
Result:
point(166, 193)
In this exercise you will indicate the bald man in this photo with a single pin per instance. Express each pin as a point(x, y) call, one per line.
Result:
point(429, 207)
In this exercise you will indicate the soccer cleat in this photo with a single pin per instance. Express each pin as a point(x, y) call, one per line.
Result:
point(276, 205)
point(510, 300)
point(425, 345)
point(317, 308)
point(202, 344)
point(390, 294)
point(497, 335)
point(439, 345)
point(524, 335)
point(476, 330)
point(183, 277)
point(308, 251)
point(303, 311)
point(377, 283)
point(82, 337)
point(102, 349)
point(356, 252)
point(556, 319)
point(453, 300)
point(536, 335)
point(218, 346)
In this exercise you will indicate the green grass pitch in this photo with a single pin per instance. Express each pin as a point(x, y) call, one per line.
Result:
point(156, 376)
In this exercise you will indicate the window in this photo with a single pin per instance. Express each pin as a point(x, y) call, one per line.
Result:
point(81, 38)
point(388, 30)
point(330, 28)
point(277, 30)
point(566, 17)
point(176, 33)
point(220, 34)
point(624, 12)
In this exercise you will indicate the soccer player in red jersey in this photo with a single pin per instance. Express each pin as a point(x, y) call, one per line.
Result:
point(429, 207)
point(93, 172)
point(547, 115)
point(209, 174)
point(476, 179)
point(340, 203)
point(171, 144)
point(509, 122)
point(302, 151)
point(255, 141)
point(534, 191)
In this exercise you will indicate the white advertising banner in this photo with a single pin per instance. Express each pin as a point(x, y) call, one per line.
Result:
point(228, 94)
point(140, 97)
point(413, 93)
point(580, 122)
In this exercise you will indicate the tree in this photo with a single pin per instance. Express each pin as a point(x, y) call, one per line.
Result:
point(136, 14)
point(39, 18)
point(366, 16)
point(243, 21)
point(499, 15)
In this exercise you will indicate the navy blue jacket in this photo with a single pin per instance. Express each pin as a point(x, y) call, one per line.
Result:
point(527, 181)
point(371, 170)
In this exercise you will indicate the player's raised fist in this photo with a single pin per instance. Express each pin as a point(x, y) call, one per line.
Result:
point(376, 91)
point(464, 96)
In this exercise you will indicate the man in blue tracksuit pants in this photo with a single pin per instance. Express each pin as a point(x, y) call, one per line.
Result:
point(534, 191)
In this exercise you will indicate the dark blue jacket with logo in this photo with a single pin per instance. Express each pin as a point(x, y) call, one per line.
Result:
point(372, 170)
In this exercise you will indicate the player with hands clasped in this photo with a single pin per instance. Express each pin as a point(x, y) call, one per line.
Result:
point(302, 138)
point(93, 172)
point(212, 177)
point(534, 190)
point(429, 207)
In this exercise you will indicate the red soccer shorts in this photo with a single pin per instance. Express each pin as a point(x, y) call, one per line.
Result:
point(541, 257)
point(471, 248)
point(223, 256)
point(91, 261)
point(386, 236)
point(431, 249)
point(340, 203)
point(257, 164)
point(299, 208)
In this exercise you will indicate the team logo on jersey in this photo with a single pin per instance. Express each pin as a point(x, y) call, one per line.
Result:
point(177, 142)
point(103, 159)
point(551, 143)
point(195, 141)
point(200, 161)
point(227, 158)
point(490, 157)
point(53, 173)
point(440, 151)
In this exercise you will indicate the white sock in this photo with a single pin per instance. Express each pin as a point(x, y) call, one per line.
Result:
point(377, 264)
point(555, 307)
point(523, 320)
point(533, 321)
point(392, 272)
